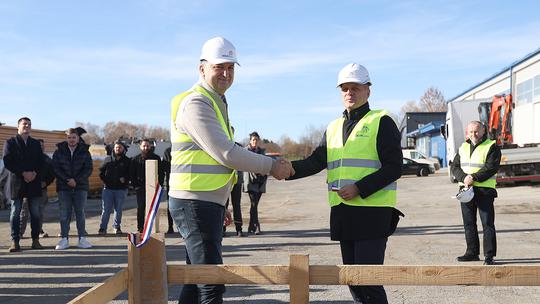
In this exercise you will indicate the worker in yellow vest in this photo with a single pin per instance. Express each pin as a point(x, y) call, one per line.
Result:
point(204, 164)
point(361, 152)
point(476, 165)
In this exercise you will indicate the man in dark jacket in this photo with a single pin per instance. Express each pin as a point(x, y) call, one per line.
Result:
point(362, 154)
point(72, 165)
point(23, 157)
point(476, 164)
point(166, 164)
point(114, 172)
point(138, 178)
point(47, 177)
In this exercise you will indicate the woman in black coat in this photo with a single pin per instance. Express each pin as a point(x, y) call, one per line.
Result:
point(255, 186)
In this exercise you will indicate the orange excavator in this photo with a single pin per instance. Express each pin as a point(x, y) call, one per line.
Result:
point(496, 115)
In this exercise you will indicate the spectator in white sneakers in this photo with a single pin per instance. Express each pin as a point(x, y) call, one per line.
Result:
point(72, 165)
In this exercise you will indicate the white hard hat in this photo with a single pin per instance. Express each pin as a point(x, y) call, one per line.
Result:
point(465, 195)
point(218, 50)
point(353, 72)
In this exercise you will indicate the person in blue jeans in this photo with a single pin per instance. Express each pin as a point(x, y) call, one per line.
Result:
point(114, 172)
point(23, 158)
point(72, 164)
point(204, 160)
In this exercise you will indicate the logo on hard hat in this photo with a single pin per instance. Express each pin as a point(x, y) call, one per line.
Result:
point(229, 55)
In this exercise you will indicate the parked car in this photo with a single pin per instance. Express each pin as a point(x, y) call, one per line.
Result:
point(421, 158)
point(412, 167)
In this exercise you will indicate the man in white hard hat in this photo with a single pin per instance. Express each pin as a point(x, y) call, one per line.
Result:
point(362, 154)
point(476, 165)
point(204, 160)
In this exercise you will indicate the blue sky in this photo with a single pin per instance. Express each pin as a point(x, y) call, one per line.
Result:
point(100, 61)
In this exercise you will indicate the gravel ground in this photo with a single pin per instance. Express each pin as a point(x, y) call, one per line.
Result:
point(294, 219)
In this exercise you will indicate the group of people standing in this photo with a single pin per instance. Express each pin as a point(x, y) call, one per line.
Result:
point(360, 151)
point(31, 171)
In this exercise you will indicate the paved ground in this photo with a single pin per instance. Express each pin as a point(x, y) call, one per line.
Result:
point(294, 217)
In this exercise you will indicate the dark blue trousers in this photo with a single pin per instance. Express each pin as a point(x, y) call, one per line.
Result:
point(201, 225)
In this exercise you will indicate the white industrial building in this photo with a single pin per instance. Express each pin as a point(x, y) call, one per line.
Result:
point(522, 79)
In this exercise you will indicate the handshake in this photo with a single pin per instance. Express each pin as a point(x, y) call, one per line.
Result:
point(281, 169)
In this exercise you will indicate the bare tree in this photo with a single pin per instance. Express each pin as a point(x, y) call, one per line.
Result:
point(158, 133)
point(432, 101)
point(311, 139)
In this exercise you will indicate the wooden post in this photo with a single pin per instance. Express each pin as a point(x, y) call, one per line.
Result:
point(134, 273)
point(299, 278)
point(151, 170)
point(147, 265)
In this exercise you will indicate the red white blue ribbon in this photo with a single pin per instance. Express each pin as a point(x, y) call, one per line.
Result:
point(149, 221)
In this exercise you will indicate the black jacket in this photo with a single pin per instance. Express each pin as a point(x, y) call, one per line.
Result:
point(138, 171)
point(112, 169)
point(78, 167)
point(20, 157)
point(490, 168)
point(166, 164)
point(359, 223)
point(47, 172)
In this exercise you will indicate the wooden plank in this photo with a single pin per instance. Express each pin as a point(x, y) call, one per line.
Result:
point(134, 273)
point(519, 275)
point(106, 291)
point(151, 171)
point(228, 274)
point(153, 267)
point(299, 278)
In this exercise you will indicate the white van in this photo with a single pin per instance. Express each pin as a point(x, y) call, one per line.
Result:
point(421, 158)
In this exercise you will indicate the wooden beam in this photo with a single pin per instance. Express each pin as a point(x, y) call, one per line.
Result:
point(106, 291)
point(151, 171)
point(228, 274)
point(134, 273)
point(299, 278)
point(425, 275)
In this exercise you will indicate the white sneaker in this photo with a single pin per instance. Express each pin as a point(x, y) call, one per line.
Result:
point(84, 243)
point(63, 244)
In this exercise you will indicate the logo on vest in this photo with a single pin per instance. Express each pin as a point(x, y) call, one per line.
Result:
point(363, 132)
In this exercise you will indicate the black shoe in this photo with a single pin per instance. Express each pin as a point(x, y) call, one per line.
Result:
point(468, 258)
point(240, 234)
point(489, 261)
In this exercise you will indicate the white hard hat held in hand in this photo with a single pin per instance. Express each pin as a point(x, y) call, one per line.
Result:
point(353, 72)
point(465, 195)
point(219, 50)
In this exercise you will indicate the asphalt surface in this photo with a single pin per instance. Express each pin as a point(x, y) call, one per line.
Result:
point(294, 219)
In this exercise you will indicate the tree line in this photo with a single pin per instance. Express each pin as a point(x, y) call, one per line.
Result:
point(431, 101)
point(122, 130)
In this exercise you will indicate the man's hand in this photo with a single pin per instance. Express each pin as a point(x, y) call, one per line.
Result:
point(468, 181)
point(228, 218)
point(72, 183)
point(348, 192)
point(281, 169)
point(122, 180)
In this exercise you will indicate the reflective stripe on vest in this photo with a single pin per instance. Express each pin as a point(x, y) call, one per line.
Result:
point(192, 169)
point(473, 163)
point(357, 159)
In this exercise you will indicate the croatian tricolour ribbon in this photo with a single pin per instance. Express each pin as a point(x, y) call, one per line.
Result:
point(148, 222)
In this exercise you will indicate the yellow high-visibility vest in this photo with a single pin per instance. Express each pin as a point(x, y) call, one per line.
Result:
point(192, 169)
point(473, 163)
point(349, 163)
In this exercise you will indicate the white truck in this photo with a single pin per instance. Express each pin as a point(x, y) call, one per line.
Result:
point(518, 163)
